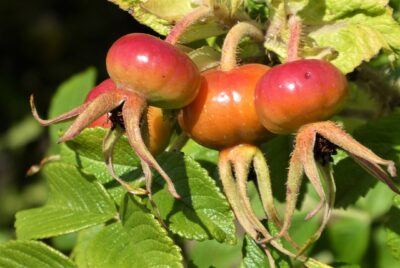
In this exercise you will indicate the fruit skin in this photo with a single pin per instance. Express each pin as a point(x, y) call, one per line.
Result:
point(164, 75)
point(159, 128)
point(299, 92)
point(223, 113)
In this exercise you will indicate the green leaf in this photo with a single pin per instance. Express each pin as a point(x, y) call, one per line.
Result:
point(382, 252)
point(202, 212)
point(358, 38)
point(258, 10)
point(205, 58)
point(356, 29)
point(200, 153)
point(349, 235)
point(21, 134)
point(69, 94)
point(137, 241)
point(156, 14)
point(85, 151)
point(210, 253)
point(253, 255)
point(393, 229)
point(32, 254)
point(75, 202)
point(161, 15)
point(80, 251)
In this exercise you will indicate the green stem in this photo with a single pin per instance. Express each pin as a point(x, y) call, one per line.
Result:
point(231, 43)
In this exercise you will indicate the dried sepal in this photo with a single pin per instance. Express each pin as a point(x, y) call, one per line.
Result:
point(101, 105)
point(132, 112)
point(361, 154)
point(234, 165)
point(61, 118)
point(109, 141)
point(307, 160)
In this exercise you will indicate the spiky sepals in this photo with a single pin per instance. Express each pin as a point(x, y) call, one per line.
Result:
point(315, 142)
point(133, 106)
point(234, 166)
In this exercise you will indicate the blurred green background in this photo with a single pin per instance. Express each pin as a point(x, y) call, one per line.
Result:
point(42, 43)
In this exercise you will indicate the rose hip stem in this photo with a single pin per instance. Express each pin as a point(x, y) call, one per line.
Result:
point(228, 55)
point(295, 25)
point(188, 20)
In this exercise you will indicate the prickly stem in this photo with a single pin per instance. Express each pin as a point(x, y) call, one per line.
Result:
point(295, 25)
point(232, 39)
point(182, 25)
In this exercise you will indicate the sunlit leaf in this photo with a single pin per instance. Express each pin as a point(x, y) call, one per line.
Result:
point(76, 201)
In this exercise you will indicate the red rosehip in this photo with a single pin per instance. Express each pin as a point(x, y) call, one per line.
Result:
point(164, 75)
point(299, 92)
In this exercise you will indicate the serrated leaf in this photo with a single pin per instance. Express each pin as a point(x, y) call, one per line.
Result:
point(253, 256)
point(358, 38)
point(85, 151)
point(137, 241)
point(202, 212)
point(75, 202)
point(69, 94)
point(318, 11)
point(32, 254)
point(380, 136)
point(356, 29)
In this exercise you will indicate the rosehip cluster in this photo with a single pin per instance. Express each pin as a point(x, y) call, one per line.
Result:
point(240, 107)
point(231, 109)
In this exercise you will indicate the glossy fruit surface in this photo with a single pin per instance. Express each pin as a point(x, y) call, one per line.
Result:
point(223, 113)
point(299, 92)
point(143, 63)
point(159, 128)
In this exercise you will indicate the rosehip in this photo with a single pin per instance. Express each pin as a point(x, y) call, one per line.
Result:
point(223, 113)
point(299, 92)
point(156, 69)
